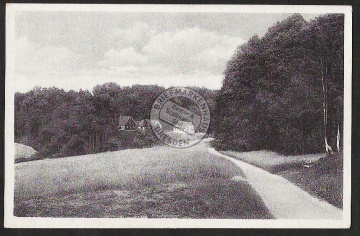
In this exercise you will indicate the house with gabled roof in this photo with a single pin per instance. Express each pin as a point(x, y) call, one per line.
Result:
point(127, 123)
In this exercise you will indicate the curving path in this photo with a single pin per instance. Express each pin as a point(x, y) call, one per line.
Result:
point(283, 199)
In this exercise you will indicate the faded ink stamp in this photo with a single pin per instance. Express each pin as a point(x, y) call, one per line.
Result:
point(180, 117)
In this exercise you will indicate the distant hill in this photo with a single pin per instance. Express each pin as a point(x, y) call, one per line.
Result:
point(23, 152)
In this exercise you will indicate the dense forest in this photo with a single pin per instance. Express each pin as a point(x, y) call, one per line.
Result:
point(58, 123)
point(284, 91)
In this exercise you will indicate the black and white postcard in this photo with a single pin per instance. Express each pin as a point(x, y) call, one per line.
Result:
point(177, 116)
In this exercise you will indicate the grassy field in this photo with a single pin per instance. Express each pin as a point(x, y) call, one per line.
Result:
point(154, 182)
point(324, 179)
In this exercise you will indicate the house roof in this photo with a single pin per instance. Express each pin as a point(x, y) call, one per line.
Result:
point(124, 119)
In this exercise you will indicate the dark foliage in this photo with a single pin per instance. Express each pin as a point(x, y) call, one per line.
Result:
point(58, 123)
point(279, 89)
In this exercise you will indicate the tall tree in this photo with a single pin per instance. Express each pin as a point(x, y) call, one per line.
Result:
point(275, 89)
point(323, 45)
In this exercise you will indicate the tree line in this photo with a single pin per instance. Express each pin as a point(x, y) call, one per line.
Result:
point(58, 123)
point(284, 91)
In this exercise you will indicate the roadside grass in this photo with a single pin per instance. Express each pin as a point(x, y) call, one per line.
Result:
point(271, 161)
point(324, 179)
point(135, 183)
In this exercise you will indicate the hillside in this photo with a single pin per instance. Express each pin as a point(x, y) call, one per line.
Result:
point(160, 182)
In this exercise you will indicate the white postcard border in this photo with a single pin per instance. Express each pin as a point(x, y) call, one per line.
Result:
point(10, 221)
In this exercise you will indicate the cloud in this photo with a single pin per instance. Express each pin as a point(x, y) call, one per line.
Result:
point(138, 55)
point(124, 58)
point(24, 49)
point(192, 49)
point(176, 52)
point(135, 36)
point(31, 58)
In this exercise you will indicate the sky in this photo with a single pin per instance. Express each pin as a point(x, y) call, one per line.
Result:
point(73, 50)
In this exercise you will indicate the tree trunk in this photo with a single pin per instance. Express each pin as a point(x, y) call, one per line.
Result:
point(338, 139)
point(328, 148)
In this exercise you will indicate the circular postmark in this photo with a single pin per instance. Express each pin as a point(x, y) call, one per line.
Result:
point(180, 117)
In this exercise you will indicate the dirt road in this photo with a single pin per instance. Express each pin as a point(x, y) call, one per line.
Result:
point(283, 199)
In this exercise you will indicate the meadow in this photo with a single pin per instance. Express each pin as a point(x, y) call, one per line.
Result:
point(153, 182)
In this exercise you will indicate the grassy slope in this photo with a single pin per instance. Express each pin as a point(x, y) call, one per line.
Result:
point(323, 180)
point(156, 182)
